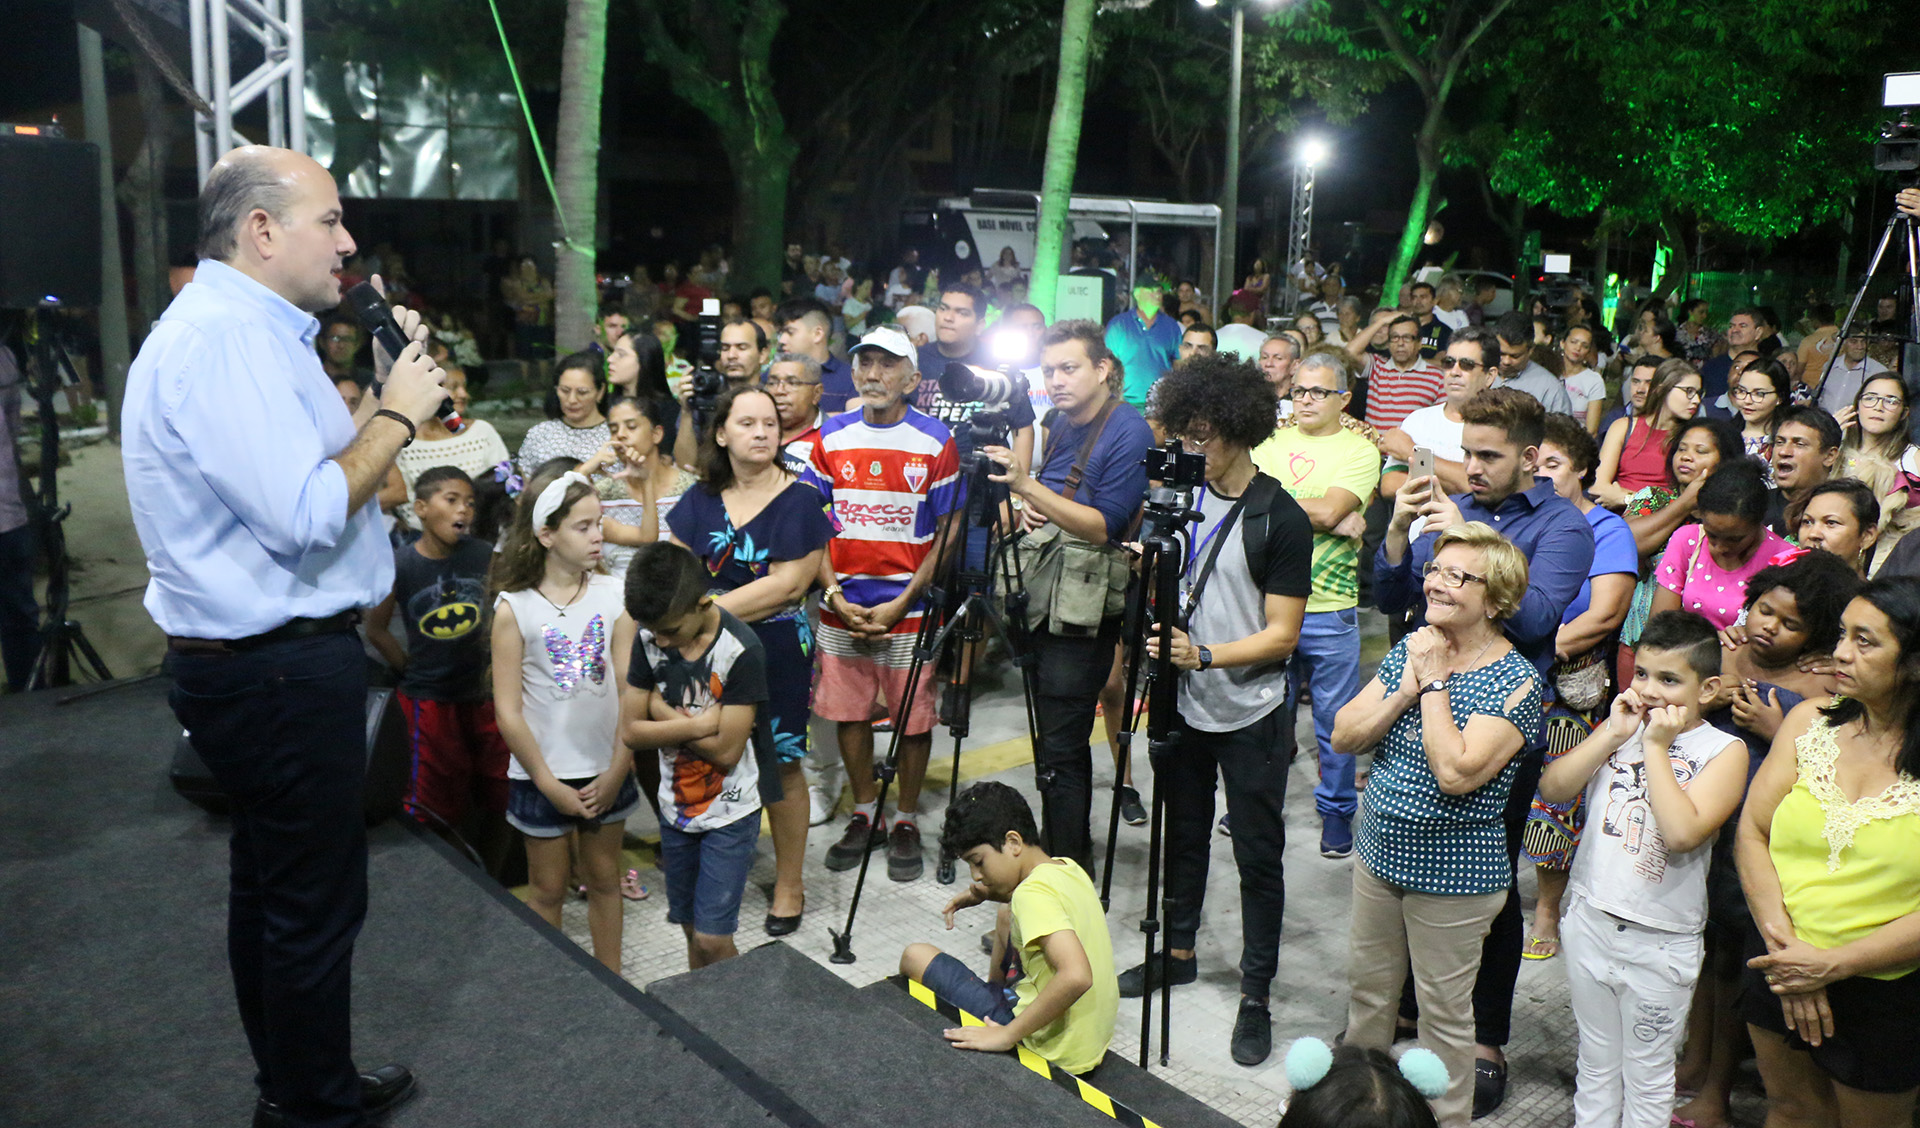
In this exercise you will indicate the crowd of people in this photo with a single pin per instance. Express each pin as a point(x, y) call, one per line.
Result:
point(1667, 656)
point(1597, 603)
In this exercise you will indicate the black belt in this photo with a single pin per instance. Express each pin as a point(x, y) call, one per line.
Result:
point(291, 629)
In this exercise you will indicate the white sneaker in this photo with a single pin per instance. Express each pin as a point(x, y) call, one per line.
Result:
point(819, 807)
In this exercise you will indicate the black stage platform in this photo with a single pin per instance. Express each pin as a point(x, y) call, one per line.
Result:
point(116, 1008)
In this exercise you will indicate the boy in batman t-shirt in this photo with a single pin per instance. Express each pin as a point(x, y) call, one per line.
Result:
point(456, 758)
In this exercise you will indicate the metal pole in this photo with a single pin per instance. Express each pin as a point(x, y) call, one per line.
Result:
point(1230, 193)
point(220, 53)
point(274, 42)
point(296, 43)
point(115, 346)
point(202, 85)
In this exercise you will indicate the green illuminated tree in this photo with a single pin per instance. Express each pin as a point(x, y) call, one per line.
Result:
point(718, 57)
point(1063, 150)
point(1755, 116)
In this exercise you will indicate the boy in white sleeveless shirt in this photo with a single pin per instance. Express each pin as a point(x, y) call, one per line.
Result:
point(1659, 782)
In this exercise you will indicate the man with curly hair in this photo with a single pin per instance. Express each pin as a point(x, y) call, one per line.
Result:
point(1244, 594)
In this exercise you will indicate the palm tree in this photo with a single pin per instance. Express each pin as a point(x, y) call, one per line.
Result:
point(1063, 151)
point(576, 176)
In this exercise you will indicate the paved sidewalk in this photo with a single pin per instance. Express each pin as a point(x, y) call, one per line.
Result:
point(1310, 994)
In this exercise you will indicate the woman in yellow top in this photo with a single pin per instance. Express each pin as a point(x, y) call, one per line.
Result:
point(1829, 853)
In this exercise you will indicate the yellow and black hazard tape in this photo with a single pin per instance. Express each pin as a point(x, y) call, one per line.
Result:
point(1088, 1095)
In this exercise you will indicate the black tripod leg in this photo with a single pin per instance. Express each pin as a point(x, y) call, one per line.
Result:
point(87, 651)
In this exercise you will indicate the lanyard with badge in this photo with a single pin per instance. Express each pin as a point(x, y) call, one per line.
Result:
point(1211, 545)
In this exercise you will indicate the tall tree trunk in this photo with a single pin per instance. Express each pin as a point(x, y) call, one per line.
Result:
point(576, 173)
point(1679, 263)
point(1063, 152)
point(1426, 145)
point(143, 190)
point(760, 180)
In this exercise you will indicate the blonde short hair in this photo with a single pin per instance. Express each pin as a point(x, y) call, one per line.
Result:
point(1506, 566)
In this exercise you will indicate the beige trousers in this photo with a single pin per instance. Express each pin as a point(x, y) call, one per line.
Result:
point(1441, 937)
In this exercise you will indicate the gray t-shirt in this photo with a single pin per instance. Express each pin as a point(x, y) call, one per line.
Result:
point(1543, 386)
point(1233, 605)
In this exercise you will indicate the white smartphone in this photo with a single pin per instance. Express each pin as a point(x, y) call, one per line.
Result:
point(1421, 466)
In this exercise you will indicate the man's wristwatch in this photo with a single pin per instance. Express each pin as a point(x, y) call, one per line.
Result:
point(1433, 686)
point(832, 590)
point(1206, 656)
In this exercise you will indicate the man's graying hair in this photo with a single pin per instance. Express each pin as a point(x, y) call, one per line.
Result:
point(233, 190)
point(1326, 361)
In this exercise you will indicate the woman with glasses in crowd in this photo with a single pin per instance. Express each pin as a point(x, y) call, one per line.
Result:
point(1876, 450)
point(574, 427)
point(1633, 456)
point(1758, 392)
point(1451, 707)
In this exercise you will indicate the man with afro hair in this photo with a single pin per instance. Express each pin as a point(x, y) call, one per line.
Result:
point(1244, 592)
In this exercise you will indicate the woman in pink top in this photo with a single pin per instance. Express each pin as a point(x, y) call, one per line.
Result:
point(1706, 566)
point(1634, 454)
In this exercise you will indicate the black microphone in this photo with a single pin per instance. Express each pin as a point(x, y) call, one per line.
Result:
point(371, 310)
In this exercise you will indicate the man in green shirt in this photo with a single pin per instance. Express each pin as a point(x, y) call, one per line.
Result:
point(1331, 471)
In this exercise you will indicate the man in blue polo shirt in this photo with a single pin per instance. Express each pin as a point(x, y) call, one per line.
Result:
point(1500, 438)
point(1144, 340)
point(1088, 487)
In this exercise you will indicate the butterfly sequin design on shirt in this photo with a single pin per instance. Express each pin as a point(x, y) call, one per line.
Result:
point(574, 662)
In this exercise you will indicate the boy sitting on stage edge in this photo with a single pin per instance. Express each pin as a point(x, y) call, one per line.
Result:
point(1054, 988)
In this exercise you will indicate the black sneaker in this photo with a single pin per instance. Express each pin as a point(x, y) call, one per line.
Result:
point(903, 852)
point(1131, 811)
point(1135, 982)
point(860, 837)
point(1252, 1032)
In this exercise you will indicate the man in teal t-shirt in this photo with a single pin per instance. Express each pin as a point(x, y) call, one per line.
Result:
point(1145, 341)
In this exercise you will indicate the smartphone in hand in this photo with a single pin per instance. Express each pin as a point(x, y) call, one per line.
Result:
point(1421, 465)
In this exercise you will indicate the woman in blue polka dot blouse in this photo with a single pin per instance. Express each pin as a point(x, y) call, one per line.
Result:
point(1450, 708)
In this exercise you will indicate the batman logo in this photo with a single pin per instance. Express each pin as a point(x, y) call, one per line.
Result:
point(450, 621)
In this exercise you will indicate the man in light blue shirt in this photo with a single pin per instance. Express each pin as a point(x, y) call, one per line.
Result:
point(252, 490)
point(1145, 340)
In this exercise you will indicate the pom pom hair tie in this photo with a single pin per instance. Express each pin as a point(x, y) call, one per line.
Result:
point(1309, 1059)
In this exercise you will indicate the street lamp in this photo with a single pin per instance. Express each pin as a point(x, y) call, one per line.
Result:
point(1311, 151)
point(1230, 196)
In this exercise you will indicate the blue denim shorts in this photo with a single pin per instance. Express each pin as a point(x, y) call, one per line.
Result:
point(531, 814)
point(950, 979)
point(706, 873)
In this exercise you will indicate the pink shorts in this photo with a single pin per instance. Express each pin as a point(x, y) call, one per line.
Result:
point(854, 669)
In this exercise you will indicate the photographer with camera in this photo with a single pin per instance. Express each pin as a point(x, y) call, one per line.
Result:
point(742, 354)
point(1244, 589)
point(1081, 500)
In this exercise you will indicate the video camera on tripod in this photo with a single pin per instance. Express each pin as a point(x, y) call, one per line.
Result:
point(708, 382)
point(1897, 150)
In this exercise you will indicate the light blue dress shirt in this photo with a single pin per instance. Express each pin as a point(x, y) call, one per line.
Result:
point(229, 432)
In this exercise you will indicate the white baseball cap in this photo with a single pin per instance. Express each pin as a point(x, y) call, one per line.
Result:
point(888, 338)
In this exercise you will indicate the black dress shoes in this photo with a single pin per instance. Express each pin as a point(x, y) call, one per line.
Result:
point(380, 1090)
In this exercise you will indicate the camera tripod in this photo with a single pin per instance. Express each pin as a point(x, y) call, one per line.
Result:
point(955, 643)
point(1908, 230)
point(63, 641)
point(1155, 599)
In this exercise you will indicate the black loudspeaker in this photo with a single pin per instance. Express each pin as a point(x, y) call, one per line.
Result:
point(386, 764)
point(49, 221)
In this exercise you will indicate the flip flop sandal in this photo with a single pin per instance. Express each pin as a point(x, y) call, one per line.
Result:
point(1536, 943)
point(631, 888)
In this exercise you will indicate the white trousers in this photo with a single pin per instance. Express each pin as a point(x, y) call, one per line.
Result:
point(1631, 986)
